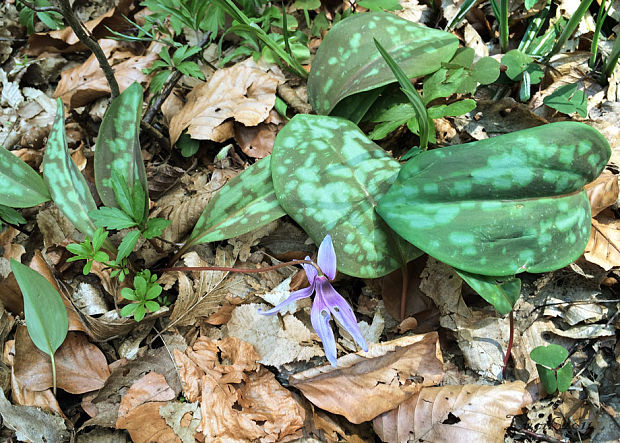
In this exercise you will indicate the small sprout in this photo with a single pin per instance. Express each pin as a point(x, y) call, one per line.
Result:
point(144, 294)
point(554, 370)
point(89, 250)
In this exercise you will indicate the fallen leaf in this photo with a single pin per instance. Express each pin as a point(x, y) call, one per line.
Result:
point(454, 413)
point(603, 247)
point(602, 192)
point(56, 228)
point(146, 425)
point(11, 250)
point(183, 418)
point(245, 92)
point(45, 400)
point(151, 387)
point(85, 83)
point(80, 365)
point(365, 385)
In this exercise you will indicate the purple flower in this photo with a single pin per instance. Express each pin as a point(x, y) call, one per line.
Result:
point(327, 301)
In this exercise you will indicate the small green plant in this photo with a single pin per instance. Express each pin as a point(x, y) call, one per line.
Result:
point(51, 19)
point(568, 99)
point(144, 295)
point(180, 60)
point(554, 369)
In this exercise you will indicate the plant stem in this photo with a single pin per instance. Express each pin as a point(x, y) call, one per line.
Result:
point(510, 340)
point(90, 43)
point(503, 25)
point(568, 30)
point(600, 18)
point(243, 270)
point(150, 113)
point(611, 62)
point(36, 8)
point(53, 373)
point(403, 295)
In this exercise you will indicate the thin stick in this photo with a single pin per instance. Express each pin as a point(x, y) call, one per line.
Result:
point(242, 270)
point(404, 290)
point(80, 32)
point(35, 8)
point(510, 340)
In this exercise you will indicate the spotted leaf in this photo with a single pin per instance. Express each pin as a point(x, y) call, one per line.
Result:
point(503, 205)
point(329, 176)
point(64, 180)
point(20, 185)
point(347, 62)
point(245, 203)
point(118, 146)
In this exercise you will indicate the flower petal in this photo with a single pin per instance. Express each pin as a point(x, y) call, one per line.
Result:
point(327, 257)
point(341, 311)
point(297, 295)
point(311, 272)
point(320, 322)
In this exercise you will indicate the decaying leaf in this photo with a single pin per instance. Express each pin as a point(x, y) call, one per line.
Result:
point(10, 249)
point(257, 141)
point(245, 92)
point(603, 247)
point(183, 418)
point(239, 399)
point(454, 413)
point(602, 192)
point(365, 385)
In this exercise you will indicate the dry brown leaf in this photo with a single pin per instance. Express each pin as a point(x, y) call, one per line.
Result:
point(80, 365)
point(146, 425)
point(45, 400)
point(65, 40)
point(151, 387)
point(473, 413)
point(602, 192)
point(85, 83)
point(11, 250)
point(256, 141)
point(365, 385)
point(603, 247)
point(245, 92)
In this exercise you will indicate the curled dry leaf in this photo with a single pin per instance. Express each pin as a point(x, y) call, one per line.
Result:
point(365, 385)
point(602, 192)
point(245, 92)
point(603, 247)
point(454, 413)
point(85, 83)
point(10, 250)
point(80, 365)
point(239, 399)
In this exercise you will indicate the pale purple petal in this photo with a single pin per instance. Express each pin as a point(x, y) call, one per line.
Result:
point(341, 310)
point(311, 271)
point(320, 322)
point(327, 257)
point(297, 295)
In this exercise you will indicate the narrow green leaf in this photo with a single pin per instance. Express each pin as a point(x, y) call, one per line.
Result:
point(128, 294)
point(118, 146)
point(503, 205)
point(10, 215)
point(127, 244)
point(111, 218)
point(20, 185)
point(140, 312)
point(99, 237)
point(44, 310)
point(64, 180)
point(501, 292)
point(328, 176)
point(122, 193)
point(245, 203)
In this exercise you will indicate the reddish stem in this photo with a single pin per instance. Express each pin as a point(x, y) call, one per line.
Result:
point(510, 340)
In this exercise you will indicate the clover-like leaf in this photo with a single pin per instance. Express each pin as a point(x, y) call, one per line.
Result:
point(64, 180)
point(503, 205)
point(118, 147)
point(20, 185)
point(347, 62)
point(246, 202)
point(568, 99)
point(329, 176)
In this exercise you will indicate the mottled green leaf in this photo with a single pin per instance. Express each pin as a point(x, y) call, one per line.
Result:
point(503, 205)
point(45, 313)
point(20, 185)
point(329, 176)
point(347, 61)
point(64, 180)
point(381, 5)
point(245, 203)
point(501, 292)
point(118, 146)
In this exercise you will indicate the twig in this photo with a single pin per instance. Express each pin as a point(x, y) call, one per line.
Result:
point(403, 295)
point(80, 32)
point(242, 270)
point(36, 8)
point(149, 115)
point(289, 95)
point(539, 437)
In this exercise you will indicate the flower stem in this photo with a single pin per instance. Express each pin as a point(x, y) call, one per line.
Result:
point(510, 340)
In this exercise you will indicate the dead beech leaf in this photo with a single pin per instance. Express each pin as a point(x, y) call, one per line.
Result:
point(146, 425)
point(11, 250)
point(85, 83)
point(603, 247)
point(454, 413)
point(602, 192)
point(80, 365)
point(151, 387)
point(365, 385)
point(245, 92)
point(40, 399)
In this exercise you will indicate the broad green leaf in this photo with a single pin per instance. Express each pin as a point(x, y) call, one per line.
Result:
point(64, 180)
point(568, 99)
point(486, 70)
point(10, 215)
point(503, 205)
point(329, 176)
point(46, 314)
point(347, 61)
point(501, 292)
point(111, 218)
point(551, 356)
point(547, 378)
point(381, 5)
point(245, 203)
point(453, 109)
point(307, 4)
point(118, 146)
point(517, 62)
point(564, 376)
point(20, 185)
point(355, 107)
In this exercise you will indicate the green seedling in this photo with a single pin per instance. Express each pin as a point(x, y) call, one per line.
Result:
point(180, 61)
point(144, 296)
point(554, 369)
point(568, 99)
point(90, 250)
point(51, 19)
point(521, 67)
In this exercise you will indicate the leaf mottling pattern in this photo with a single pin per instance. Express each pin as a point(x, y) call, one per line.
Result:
point(503, 205)
point(329, 176)
point(64, 180)
point(347, 62)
